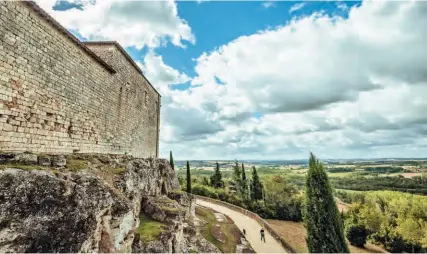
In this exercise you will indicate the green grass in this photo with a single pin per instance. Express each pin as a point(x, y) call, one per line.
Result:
point(75, 164)
point(116, 171)
point(149, 229)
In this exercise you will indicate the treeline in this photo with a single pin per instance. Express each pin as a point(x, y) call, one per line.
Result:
point(384, 169)
point(271, 198)
point(397, 221)
point(340, 170)
point(415, 185)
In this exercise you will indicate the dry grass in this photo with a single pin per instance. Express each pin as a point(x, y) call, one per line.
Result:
point(224, 235)
point(294, 234)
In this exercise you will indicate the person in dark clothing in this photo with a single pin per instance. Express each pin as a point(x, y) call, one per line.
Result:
point(262, 234)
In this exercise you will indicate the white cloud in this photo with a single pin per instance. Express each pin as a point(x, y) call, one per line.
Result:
point(297, 7)
point(131, 23)
point(340, 87)
point(268, 4)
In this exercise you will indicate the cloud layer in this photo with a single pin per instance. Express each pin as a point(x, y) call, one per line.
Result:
point(340, 87)
point(352, 87)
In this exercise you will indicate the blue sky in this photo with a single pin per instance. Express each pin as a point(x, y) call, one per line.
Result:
point(273, 80)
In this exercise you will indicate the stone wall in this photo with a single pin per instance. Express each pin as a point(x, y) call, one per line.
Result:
point(57, 96)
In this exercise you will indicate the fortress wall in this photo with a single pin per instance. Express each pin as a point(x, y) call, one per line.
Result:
point(55, 97)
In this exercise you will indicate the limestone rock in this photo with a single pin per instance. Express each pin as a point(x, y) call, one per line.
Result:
point(43, 211)
point(59, 161)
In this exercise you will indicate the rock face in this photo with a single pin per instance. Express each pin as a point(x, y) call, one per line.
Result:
point(96, 211)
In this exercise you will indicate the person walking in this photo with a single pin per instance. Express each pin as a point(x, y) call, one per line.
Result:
point(262, 234)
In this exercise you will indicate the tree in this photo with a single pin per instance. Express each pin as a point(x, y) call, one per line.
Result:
point(244, 183)
point(321, 216)
point(256, 190)
point(216, 178)
point(188, 178)
point(171, 160)
point(237, 178)
point(356, 234)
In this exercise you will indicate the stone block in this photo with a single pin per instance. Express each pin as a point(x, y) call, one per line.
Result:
point(59, 161)
point(44, 160)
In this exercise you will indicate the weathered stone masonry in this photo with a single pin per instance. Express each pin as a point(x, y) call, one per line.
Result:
point(59, 95)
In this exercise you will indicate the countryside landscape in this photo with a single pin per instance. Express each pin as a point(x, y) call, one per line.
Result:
point(374, 196)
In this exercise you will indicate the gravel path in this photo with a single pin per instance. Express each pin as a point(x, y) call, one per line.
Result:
point(252, 229)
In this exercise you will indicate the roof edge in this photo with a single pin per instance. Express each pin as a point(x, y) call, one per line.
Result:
point(64, 31)
point(127, 56)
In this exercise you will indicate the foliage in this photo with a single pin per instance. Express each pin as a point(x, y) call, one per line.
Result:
point(321, 217)
point(256, 186)
point(356, 234)
point(188, 178)
point(415, 185)
point(396, 220)
point(384, 169)
point(205, 191)
point(216, 178)
point(245, 191)
point(340, 170)
point(171, 160)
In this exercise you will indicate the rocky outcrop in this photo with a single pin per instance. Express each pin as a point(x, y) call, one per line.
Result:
point(95, 209)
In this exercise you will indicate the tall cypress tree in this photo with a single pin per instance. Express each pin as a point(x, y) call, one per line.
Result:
point(188, 178)
point(216, 178)
point(171, 160)
point(321, 216)
point(244, 182)
point(256, 190)
point(237, 177)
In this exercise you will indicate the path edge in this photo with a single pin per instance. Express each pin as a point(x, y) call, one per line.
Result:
point(252, 215)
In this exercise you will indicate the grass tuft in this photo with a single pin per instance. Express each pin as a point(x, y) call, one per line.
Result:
point(149, 229)
point(75, 165)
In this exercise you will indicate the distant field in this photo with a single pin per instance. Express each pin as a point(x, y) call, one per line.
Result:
point(294, 234)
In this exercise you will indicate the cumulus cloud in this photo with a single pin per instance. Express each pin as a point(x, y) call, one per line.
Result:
point(131, 23)
point(341, 87)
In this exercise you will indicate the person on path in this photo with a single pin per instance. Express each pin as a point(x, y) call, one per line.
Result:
point(262, 234)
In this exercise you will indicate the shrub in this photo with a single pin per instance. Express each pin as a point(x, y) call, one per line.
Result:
point(356, 234)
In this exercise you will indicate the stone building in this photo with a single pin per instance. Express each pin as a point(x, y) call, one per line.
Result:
point(61, 95)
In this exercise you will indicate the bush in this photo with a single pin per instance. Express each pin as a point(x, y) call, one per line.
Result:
point(204, 191)
point(356, 234)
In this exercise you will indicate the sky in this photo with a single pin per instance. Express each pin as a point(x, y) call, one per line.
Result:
point(274, 80)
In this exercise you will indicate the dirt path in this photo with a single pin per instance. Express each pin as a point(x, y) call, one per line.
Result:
point(252, 229)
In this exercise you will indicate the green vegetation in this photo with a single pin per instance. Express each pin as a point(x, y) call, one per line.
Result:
point(75, 164)
point(216, 178)
point(171, 160)
point(256, 188)
point(188, 178)
point(398, 221)
point(321, 216)
point(117, 171)
point(149, 229)
point(415, 185)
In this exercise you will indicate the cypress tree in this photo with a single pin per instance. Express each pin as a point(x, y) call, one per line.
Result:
point(244, 182)
point(171, 160)
point(216, 178)
point(237, 178)
point(256, 190)
point(321, 216)
point(188, 178)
